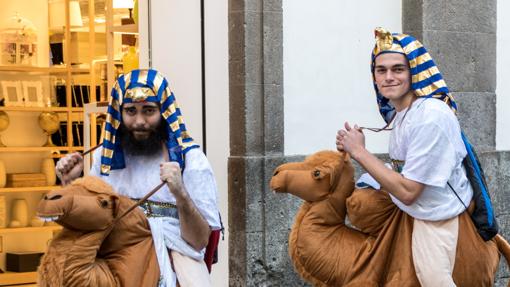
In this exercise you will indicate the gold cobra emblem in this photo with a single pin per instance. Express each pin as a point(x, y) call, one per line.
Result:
point(383, 39)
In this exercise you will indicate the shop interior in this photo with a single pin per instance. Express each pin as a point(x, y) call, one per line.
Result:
point(58, 60)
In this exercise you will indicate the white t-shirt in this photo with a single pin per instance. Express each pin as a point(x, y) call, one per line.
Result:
point(141, 175)
point(429, 140)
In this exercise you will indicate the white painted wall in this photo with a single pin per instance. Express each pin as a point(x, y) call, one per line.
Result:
point(326, 62)
point(176, 47)
point(503, 74)
point(217, 118)
point(143, 34)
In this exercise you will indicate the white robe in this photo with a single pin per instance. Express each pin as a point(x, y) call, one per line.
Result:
point(141, 175)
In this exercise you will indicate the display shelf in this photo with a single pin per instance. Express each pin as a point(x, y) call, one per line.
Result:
point(51, 70)
point(41, 109)
point(30, 189)
point(30, 229)
point(125, 29)
point(11, 278)
point(72, 83)
point(39, 149)
point(33, 69)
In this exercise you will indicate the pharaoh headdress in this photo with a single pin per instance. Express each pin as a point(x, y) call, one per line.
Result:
point(426, 80)
point(143, 86)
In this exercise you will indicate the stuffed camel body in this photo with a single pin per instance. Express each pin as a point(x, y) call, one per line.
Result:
point(89, 253)
point(327, 252)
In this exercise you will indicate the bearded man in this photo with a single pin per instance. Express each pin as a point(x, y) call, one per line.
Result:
point(146, 142)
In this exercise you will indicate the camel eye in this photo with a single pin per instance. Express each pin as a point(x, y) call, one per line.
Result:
point(103, 203)
point(317, 173)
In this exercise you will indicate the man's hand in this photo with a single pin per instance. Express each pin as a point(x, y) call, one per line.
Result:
point(170, 172)
point(69, 167)
point(350, 140)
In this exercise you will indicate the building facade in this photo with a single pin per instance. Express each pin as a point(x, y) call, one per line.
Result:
point(298, 70)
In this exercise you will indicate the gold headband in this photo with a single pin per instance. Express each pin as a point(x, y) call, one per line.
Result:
point(139, 94)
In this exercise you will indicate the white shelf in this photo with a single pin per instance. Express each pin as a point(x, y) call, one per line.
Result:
point(39, 149)
point(41, 109)
point(30, 189)
point(30, 229)
point(9, 278)
point(51, 70)
point(125, 29)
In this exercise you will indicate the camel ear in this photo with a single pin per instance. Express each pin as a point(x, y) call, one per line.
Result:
point(277, 170)
point(336, 169)
point(332, 168)
point(115, 205)
point(347, 157)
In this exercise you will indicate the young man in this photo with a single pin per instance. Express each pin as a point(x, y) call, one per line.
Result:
point(146, 142)
point(426, 149)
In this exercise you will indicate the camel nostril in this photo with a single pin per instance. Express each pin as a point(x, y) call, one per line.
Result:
point(275, 173)
point(54, 197)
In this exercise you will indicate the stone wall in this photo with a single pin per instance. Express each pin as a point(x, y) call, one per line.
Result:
point(460, 36)
point(258, 221)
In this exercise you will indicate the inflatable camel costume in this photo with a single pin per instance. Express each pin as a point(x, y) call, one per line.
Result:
point(96, 248)
point(326, 252)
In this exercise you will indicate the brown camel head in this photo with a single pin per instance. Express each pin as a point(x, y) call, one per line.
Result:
point(313, 179)
point(87, 204)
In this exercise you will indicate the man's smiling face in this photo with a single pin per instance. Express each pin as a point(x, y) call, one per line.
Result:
point(392, 75)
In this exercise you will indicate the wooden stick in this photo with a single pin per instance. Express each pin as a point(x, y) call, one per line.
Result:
point(140, 201)
point(143, 199)
point(91, 149)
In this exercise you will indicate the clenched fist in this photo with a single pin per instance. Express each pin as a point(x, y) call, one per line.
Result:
point(170, 172)
point(69, 167)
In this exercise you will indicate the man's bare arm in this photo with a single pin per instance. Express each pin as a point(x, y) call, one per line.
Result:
point(194, 228)
point(352, 141)
point(406, 190)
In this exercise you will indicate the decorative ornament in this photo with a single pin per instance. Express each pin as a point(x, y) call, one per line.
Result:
point(19, 213)
point(4, 124)
point(383, 39)
point(50, 123)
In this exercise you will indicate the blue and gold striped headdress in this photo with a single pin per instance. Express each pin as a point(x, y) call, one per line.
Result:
point(140, 86)
point(426, 80)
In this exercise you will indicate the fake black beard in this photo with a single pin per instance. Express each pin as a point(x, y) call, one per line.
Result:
point(148, 146)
